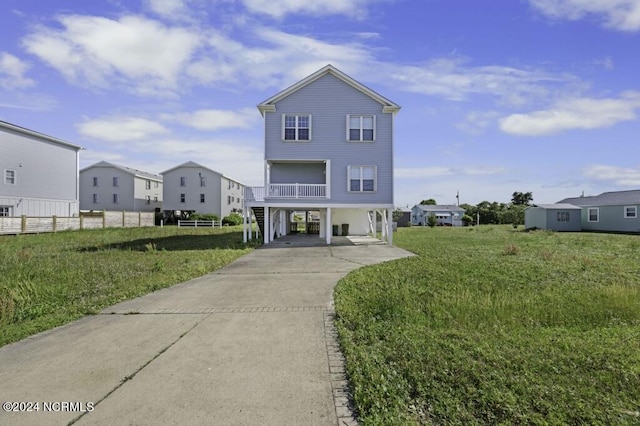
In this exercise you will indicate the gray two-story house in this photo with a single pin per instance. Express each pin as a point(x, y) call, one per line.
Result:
point(328, 149)
point(39, 174)
point(108, 186)
point(193, 188)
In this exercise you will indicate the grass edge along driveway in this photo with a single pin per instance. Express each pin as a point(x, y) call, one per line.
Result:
point(51, 279)
point(490, 325)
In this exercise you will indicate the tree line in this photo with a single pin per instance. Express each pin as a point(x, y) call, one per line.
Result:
point(494, 212)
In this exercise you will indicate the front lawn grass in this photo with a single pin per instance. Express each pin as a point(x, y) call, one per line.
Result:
point(50, 279)
point(490, 325)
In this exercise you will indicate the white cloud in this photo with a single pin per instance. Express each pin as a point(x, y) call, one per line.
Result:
point(453, 79)
point(279, 8)
point(121, 129)
point(476, 122)
point(623, 15)
point(428, 172)
point(214, 119)
point(618, 175)
point(169, 9)
point(229, 61)
point(576, 113)
point(136, 51)
point(12, 72)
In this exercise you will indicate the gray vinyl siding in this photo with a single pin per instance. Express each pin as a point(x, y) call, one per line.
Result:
point(563, 219)
point(192, 190)
point(217, 191)
point(572, 224)
point(298, 173)
point(46, 175)
point(329, 100)
point(535, 217)
point(105, 189)
point(611, 218)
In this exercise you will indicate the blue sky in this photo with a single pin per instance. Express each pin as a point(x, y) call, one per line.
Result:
point(497, 96)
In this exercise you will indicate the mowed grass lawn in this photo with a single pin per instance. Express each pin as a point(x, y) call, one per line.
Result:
point(48, 280)
point(490, 325)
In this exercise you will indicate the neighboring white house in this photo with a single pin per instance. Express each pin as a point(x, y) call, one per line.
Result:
point(447, 215)
point(328, 148)
point(193, 188)
point(39, 174)
point(111, 187)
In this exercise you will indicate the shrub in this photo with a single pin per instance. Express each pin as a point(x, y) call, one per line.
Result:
point(232, 220)
point(432, 221)
point(205, 216)
point(511, 249)
point(467, 220)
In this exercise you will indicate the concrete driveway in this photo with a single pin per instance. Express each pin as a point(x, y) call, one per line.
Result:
point(252, 343)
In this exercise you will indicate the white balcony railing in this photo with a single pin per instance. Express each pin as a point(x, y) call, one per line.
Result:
point(286, 190)
point(254, 193)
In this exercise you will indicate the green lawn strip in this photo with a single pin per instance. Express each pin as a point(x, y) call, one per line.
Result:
point(51, 279)
point(470, 333)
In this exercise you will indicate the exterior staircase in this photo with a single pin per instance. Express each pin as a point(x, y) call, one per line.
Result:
point(258, 212)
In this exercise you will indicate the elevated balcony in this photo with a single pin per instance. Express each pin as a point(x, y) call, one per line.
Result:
point(289, 191)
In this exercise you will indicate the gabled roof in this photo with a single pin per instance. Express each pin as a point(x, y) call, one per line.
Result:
point(439, 207)
point(128, 170)
point(192, 164)
point(612, 198)
point(557, 206)
point(25, 131)
point(269, 104)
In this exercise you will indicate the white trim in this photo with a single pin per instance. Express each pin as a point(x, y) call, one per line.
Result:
point(361, 128)
point(28, 132)
point(14, 177)
point(635, 212)
point(286, 204)
point(297, 127)
point(387, 105)
point(597, 209)
point(375, 179)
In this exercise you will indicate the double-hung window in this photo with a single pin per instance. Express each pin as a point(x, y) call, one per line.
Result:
point(5, 211)
point(116, 181)
point(361, 128)
point(116, 199)
point(296, 127)
point(9, 177)
point(362, 179)
point(183, 198)
point(203, 181)
point(96, 199)
point(202, 199)
point(630, 212)
point(147, 184)
point(183, 181)
point(593, 214)
point(95, 181)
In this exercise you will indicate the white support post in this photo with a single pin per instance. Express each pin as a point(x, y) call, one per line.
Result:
point(329, 228)
point(244, 226)
point(390, 226)
point(267, 225)
point(375, 224)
